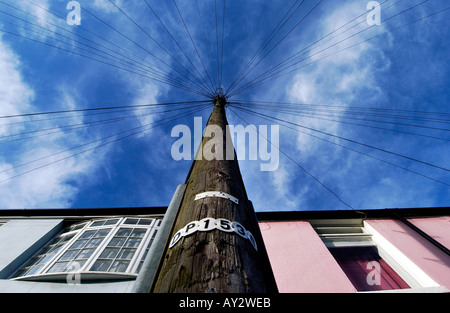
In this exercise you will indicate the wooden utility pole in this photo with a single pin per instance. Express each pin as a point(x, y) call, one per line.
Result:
point(215, 244)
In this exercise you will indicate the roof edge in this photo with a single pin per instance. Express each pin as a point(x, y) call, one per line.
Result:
point(371, 213)
point(262, 216)
point(80, 212)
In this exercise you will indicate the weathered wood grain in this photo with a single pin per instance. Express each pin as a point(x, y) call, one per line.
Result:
point(215, 261)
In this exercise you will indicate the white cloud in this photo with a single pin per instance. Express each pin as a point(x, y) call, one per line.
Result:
point(146, 93)
point(47, 188)
point(43, 17)
point(15, 95)
point(52, 185)
point(335, 81)
point(105, 5)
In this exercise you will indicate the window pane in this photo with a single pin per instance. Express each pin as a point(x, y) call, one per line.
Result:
point(126, 254)
point(133, 243)
point(69, 255)
point(88, 234)
point(56, 248)
point(138, 232)
point(101, 266)
point(79, 244)
point(102, 232)
point(119, 266)
point(109, 253)
point(74, 266)
point(94, 243)
point(358, 264)
point(112, 222)
point(85, 254)
point(78, 227)
point(131, 221)
point(115, 257)
point(46, 258)
point(145, 221)
point(65, 239)
point(124, 232)
point(34, 270)
point(99, 223)
point(116, 242)
point(58, 267)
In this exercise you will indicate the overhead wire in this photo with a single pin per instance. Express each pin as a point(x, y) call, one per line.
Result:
point(304, 50)
point(349, 113)
point(243, 106)
point(134, 131)
point(353, 141)
point(279, 42)
point(72, 33)
point(106, 40)
point(318, 116)
point(205, 84)
point(217, 43)
point(302, 167)
point(195, 46)
point(102, 108)
point(260, 79)
point(95, 59)
point(266, 42)
point(223, 35)
point(149, 73)
point(352, 149)
point(352, 107)
point(251, 83)
point(205, 41)
point(161, 46)
point(82, 125)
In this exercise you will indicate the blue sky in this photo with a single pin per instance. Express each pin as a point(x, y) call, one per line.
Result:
point(399, 68)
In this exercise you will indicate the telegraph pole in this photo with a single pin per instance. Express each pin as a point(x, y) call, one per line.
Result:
point(215, 245)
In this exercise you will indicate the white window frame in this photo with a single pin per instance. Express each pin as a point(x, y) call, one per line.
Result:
point(357, 233)
point(84, 271)
point(413, 275)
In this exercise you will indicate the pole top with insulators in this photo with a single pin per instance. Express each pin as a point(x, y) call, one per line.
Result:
point(220, 99)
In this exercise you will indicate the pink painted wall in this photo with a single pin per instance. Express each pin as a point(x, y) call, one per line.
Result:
point(436, 227)
point(300, 261)
point(429, 258)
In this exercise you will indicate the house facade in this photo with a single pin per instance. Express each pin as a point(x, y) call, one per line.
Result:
point(118, 250)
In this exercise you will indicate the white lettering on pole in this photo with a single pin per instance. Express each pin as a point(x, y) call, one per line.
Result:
point(209, 224)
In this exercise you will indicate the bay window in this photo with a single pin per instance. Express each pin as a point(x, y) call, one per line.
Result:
point(97, 249)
